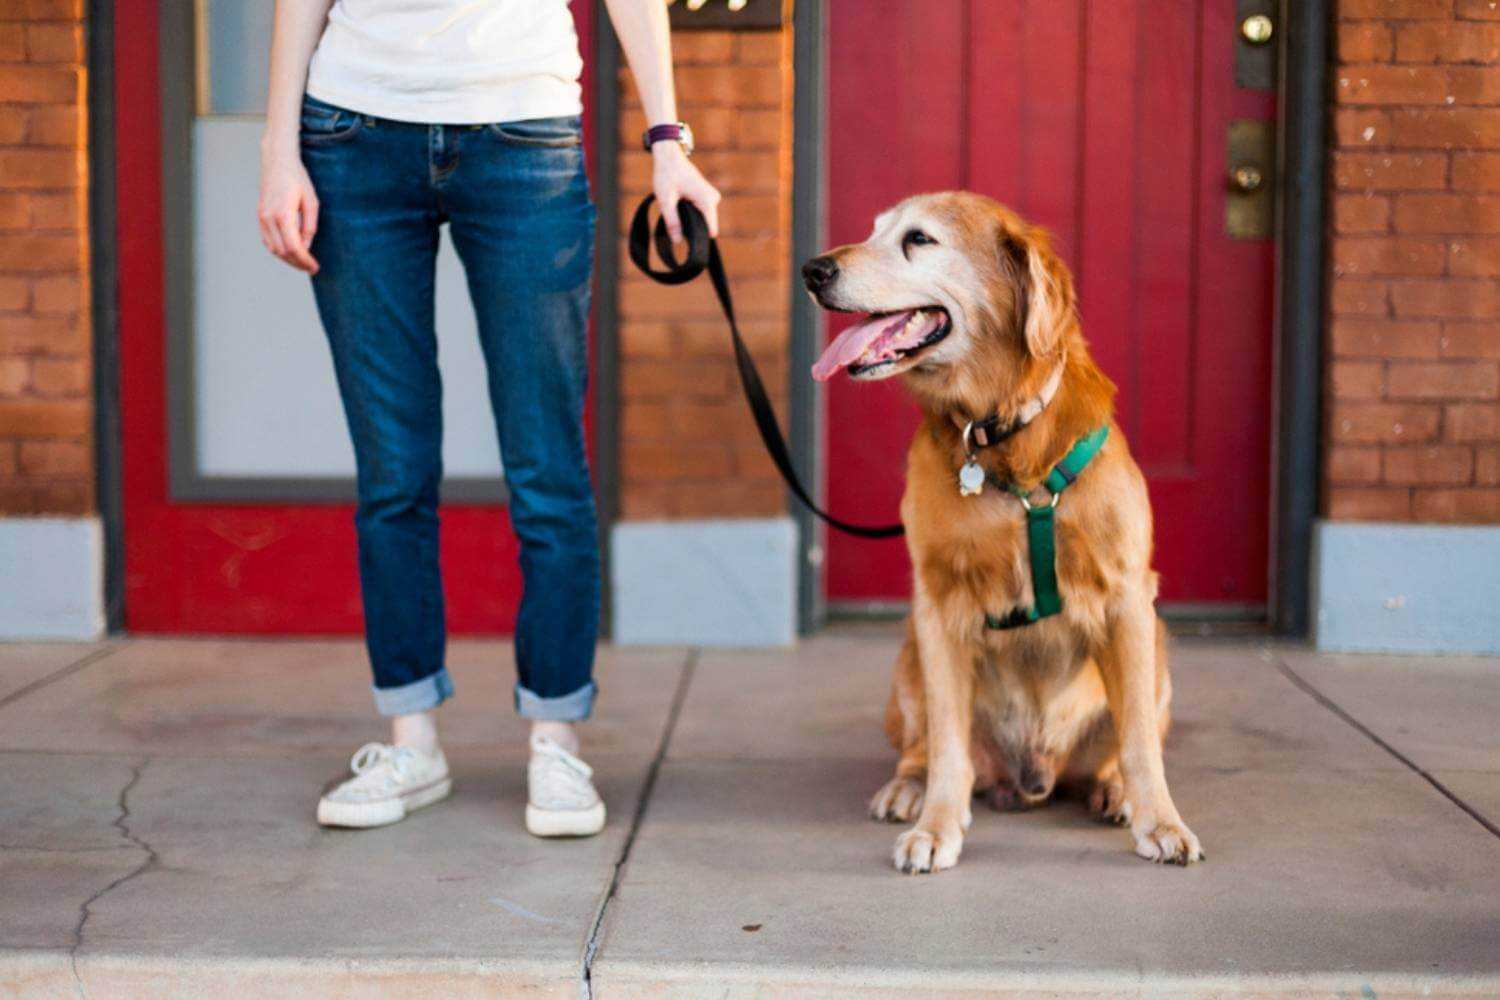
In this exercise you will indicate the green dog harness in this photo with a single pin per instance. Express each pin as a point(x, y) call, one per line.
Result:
point(1041, 534)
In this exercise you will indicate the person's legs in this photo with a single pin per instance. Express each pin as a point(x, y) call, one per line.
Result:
point(523, 223)
point(376, 243)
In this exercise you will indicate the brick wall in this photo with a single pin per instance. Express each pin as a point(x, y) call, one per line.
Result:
point(1413, 380)
point(46, 410)
point(688, 445)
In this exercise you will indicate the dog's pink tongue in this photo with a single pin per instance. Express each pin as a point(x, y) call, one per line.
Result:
point(854, 342)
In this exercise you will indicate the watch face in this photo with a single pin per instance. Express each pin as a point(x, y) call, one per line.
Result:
point(685, 136)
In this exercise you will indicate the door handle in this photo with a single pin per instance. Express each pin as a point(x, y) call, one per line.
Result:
point(1250, 196)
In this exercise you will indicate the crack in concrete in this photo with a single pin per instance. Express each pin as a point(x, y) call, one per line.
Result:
point(122, 824)
point(1338, 710)
point(59, 674)
point(596, 929)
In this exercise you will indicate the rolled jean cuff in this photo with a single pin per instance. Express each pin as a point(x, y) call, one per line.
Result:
point(418, 696)
point(573, 707)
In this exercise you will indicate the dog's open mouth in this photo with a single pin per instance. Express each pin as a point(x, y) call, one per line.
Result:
point(875, 346)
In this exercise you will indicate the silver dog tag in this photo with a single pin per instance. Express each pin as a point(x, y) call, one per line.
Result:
point(970, 479)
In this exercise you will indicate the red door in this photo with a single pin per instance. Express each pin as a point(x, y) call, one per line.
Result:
point(1106, 123)
point(243, 568)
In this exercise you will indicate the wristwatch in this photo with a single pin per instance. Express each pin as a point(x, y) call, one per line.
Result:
point(676, 131)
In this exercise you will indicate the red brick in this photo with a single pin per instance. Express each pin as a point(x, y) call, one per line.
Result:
point(47, 334)
point(57, 296)
point(758, 47)
point(1470, 340)
point(1360, 298)
point(1447, 213)
point(1448, 128)
point(1369, 504)
point(45, 418)
point(13, 127)
point(52, 10)
point(55, 458)
point(1373, 423)
point(37, 253)
point(56, 126)
point(1389, 171)
point(1454, 42)
point(1394, 8)
point(1473, 85)
point(15, 210)
point(1487, 465)
point(46, 498)
point(690, 48)
point(1357, 379)
point(1377, 256)
point(7, 462)
point(653, 462)
point(1472, 422)
point(38, 168)
point(54, 43)
point(61, 210)
point(1474, 506)
point(64, 377)
point(642, 298)
point(1375, 84)
point(15, 294)
point(760, 129)
point(1385, 339)
point(1361, 214)
point(15, 376)
point(1428, 465)
point(1362, 127)
point(1364, 41)
point(1447, 299)
point(12, 42)
point(1444, 380)
point(675, 379)
point(735, 86)
point(1349, 465)
point(1477, 10)
point(1474, 256)
point(27, 84)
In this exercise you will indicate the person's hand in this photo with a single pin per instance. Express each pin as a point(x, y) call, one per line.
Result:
point(288, 210)
point(675, 179)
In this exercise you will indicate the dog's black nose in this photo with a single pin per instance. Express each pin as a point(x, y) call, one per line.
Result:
point(819, 273)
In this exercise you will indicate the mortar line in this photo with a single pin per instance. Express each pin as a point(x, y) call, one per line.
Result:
point(1417, 769)
point(59, 674)
point(679, 697)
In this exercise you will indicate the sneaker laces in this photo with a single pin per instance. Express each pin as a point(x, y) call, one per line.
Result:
point(380, 766)
point(564, 780)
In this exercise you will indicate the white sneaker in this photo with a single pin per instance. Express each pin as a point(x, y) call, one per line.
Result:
point(388, 783)
point(562, 801)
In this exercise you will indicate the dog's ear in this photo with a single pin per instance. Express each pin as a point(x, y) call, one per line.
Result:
point(1044, 289)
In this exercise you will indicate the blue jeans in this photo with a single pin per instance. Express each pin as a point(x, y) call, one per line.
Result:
point(516, 201)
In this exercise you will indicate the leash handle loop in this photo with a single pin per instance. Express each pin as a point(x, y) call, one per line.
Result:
point(703, 255)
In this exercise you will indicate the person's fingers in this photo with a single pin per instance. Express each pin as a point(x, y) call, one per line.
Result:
point(710, 207)
point(274, 241)
point(669, 212)
point(309, 219)
point(291, 239)
point(265, 233)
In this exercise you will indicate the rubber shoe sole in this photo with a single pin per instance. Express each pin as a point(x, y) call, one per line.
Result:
point(364, 815)
point(565, 822)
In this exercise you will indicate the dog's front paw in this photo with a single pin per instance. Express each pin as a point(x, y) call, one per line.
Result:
point(899, 800)
point(923, 849)
point(1168, 842)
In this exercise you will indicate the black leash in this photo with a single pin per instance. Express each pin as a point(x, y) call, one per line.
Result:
point(703, 255)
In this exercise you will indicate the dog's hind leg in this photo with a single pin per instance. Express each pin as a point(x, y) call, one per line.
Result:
point(900, 799)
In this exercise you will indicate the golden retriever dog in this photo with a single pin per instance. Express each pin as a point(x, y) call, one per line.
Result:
point(971, 307)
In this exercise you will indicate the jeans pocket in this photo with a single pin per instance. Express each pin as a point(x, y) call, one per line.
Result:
point(543, 133)
point(324, 123)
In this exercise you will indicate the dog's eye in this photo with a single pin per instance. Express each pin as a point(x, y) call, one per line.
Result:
point(916, 238)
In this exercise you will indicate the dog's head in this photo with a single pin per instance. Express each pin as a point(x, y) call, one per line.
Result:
point(963, 298)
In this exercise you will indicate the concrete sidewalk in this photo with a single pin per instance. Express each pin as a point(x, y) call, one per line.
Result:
point(156, 836)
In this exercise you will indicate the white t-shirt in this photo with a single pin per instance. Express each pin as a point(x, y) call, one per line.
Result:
point(459, 62)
